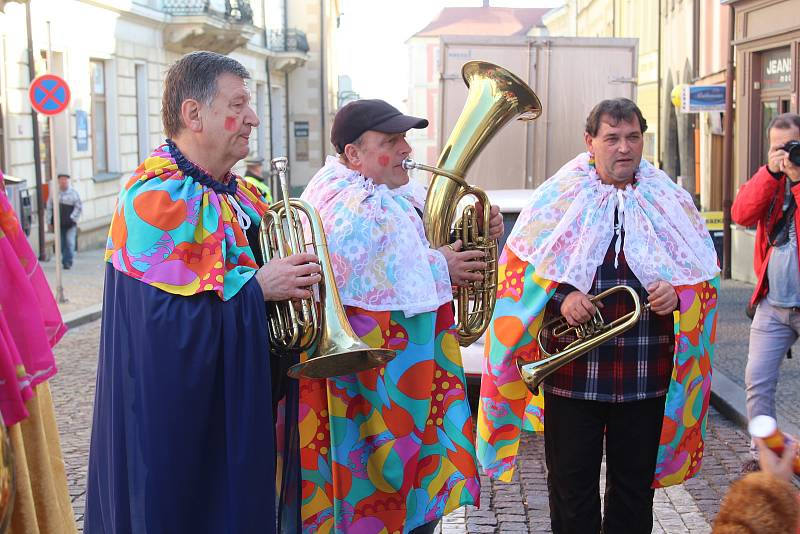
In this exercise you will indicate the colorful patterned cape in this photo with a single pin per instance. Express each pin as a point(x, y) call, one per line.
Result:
point(507, 407)
point(30, 322)
point(177, 229)
point(389, 449)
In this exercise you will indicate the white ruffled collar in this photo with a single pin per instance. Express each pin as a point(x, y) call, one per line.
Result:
point(380, 256)
point(567, 227)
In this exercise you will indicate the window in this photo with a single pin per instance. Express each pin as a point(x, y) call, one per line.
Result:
point(99, 120)
point(769, 110)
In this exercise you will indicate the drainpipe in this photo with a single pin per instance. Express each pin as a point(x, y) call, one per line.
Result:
point(269, 107)
point(270, 129)
point(613, 18)
point(287, 137)
point(287, 114)
point(727, 151)
point(323, 79)
point(37, 156)
point(272, 182)
point(660, 131)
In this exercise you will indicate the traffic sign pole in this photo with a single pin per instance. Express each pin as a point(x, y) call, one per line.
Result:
point(56, 197)
point(55, 188)
point(50, 95)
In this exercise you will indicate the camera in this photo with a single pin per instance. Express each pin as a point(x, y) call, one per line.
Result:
point(793, 149)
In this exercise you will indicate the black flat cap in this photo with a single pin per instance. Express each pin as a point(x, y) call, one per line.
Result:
point(358, 116)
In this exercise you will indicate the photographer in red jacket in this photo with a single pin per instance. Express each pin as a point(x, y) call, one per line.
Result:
point(769, 200)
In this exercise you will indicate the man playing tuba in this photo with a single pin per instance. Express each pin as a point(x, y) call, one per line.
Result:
point(390, 449)
point(607, 218)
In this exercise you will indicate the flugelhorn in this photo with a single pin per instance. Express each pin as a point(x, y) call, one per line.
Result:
point(495, 97)
point(587, 336)
point(317, 324)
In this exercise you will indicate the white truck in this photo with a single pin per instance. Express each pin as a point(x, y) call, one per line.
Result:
point(568, 74)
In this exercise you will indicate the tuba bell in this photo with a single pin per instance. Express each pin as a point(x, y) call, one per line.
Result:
point(587, 336)
point(318, 324)
point(495, 97)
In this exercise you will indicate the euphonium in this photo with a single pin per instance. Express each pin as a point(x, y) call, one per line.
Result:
point(495, 97)
point(314, 324)
point(587, 336)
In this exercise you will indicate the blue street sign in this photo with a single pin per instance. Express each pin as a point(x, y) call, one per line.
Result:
point(81, 130)
point(697, 98)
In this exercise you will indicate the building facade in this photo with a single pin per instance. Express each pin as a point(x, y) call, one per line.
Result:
point(115, 73)
point(425, 61)
point(314, 89)
point(713, 48)
point(767, 40)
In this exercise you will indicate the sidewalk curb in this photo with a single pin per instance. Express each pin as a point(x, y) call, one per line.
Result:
point(81, 317)
point(728, 398)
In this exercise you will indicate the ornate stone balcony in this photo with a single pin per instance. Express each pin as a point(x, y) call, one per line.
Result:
point(289, 48)
point(221, 26)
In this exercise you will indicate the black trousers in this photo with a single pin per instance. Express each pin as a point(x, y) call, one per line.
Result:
point(574, 434)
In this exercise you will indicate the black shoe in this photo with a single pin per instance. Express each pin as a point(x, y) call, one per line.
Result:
point(750, 466)
point(68, 266)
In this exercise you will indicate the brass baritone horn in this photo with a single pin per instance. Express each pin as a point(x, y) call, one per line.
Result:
point(297, 326)
point(495, 97)
point(588, 336)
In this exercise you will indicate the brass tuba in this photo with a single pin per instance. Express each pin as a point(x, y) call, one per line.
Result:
point(495, 97)
point(587, 336)
point(318, 324)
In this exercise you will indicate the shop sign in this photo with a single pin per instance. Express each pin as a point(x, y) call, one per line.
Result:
point(776, 69)
point(697, 98)
point(81, 131)
point(301, 129)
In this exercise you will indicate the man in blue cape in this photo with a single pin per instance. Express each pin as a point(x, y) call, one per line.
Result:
point(183, 432)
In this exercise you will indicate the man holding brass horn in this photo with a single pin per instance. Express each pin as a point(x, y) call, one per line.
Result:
point(183, 431)
point(389, 449)
point(607, 218)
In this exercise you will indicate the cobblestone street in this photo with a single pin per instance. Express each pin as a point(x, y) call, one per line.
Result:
point(520, 506)
point(73, 394)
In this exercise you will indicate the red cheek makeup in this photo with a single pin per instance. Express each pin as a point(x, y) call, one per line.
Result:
point(230, 124)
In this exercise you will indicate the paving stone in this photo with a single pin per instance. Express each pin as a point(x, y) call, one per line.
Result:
point(513, 527)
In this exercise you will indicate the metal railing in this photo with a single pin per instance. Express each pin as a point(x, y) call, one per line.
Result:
point(232, 10)
point(290, 40)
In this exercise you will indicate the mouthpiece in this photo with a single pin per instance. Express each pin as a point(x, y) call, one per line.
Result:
point(280, 163)
point(409, 164)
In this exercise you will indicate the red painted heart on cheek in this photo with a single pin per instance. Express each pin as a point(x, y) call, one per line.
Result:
point(230, 124)
point(383, 160)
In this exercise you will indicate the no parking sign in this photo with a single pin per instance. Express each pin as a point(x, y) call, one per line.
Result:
point(49, 94)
